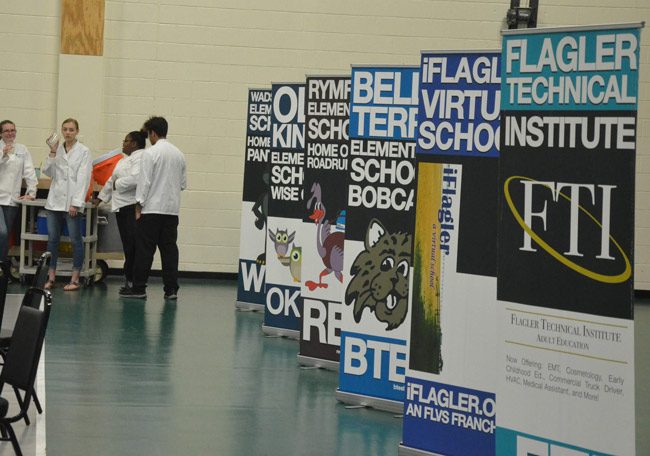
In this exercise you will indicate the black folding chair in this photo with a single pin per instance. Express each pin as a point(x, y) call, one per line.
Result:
point(42, 270)
point(32, 298)
point(4, 333)
point(21, 365)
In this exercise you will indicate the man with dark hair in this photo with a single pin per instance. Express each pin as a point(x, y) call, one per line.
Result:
point(158, 201)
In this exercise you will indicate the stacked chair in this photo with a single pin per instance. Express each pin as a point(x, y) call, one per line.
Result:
point(21, 350)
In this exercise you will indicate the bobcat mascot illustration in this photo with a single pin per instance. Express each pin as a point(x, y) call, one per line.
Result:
point(381, 281)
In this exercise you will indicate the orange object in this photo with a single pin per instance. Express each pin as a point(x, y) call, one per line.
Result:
point(104, 164)
point(103, 167)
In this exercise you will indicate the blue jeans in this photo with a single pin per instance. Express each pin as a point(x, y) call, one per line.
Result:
point(7, 217)
point(54, 227)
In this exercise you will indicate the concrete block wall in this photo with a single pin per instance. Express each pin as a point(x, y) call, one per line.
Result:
point(29, 55)
point(193, 60)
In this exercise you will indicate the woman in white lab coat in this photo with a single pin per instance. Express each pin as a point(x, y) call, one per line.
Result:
point(120, 190)
point(70, 166)
point(15, 165)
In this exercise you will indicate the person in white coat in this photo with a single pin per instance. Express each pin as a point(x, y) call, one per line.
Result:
point(70, 166)
point(158, 202)
point(15, 165)
point(120, 191)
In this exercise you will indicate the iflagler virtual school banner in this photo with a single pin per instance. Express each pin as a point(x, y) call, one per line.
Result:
point(286, 208)
point(450, 406)
point(251, 294)
point(323, 228)
point(565, 255)
point(379, 222)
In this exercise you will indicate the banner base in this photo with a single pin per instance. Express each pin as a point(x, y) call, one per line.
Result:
point(248, 306)
point(403, 450)
point(318, 362)
point(368, 401)
point(281, 332)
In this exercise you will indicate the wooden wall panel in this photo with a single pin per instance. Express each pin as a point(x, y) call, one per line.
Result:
point(82, 27)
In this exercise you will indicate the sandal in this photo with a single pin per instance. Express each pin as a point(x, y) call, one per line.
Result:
point(72, 286)
point(48, 285)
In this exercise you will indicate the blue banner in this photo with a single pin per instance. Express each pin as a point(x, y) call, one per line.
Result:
point(375, 317)
point(384, 103)
point(250, 283)
point(284, 242)
point(255, 201)
point(450, 402)
point(459, 104)
point(283, 307)
point(567, 189)
point(373, 366)
point(448, 419)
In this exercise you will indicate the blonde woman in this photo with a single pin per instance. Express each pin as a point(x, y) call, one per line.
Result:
point(70, 166)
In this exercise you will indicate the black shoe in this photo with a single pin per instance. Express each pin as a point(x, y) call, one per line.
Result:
point(5, 267)
point(172, 295)
point(131, 293)
point(124, 290)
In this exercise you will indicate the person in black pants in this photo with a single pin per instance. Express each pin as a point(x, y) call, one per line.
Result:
point(158, 200)
point(120, 190)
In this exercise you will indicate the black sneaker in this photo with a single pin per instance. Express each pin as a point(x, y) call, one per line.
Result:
point(131, 293)
point(171, 295)
point(124, 289)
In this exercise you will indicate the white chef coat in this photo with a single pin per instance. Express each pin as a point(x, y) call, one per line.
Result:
point(70, 173)
point(162, 178)
point(13, 168)
point(125, 178)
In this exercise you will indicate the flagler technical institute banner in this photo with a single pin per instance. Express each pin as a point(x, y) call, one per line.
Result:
point(565, 255)
point(323, 229)
point(255, 202)
point(286, 209)
point(450, 405)
point(381, 199)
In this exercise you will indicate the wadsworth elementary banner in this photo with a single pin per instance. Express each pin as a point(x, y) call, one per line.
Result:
point(251, 294)
point(286, 209)
point(327, 155)
point(450, 406)
point(375, 322)
point(565, 252)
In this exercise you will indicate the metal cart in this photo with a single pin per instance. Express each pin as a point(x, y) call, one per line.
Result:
point(109, 243)
point(30, 239)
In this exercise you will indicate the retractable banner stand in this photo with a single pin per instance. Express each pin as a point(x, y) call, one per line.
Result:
point(251, 294)
point(565, 252)
point(450, 403)
point(286, 208)
point(375, 321)
point(323, 229)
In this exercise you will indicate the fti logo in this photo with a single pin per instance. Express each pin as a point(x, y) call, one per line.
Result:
point(566, 244)
point(569, 194)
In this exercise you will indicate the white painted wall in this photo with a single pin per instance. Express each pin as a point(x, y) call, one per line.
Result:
point(193, 60)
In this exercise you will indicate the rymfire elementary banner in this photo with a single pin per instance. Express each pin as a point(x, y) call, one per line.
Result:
point(286, 208)
point(376, 314)
point(565, 253)
point(323, 228)
point(451, 405)
point(255, 199)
